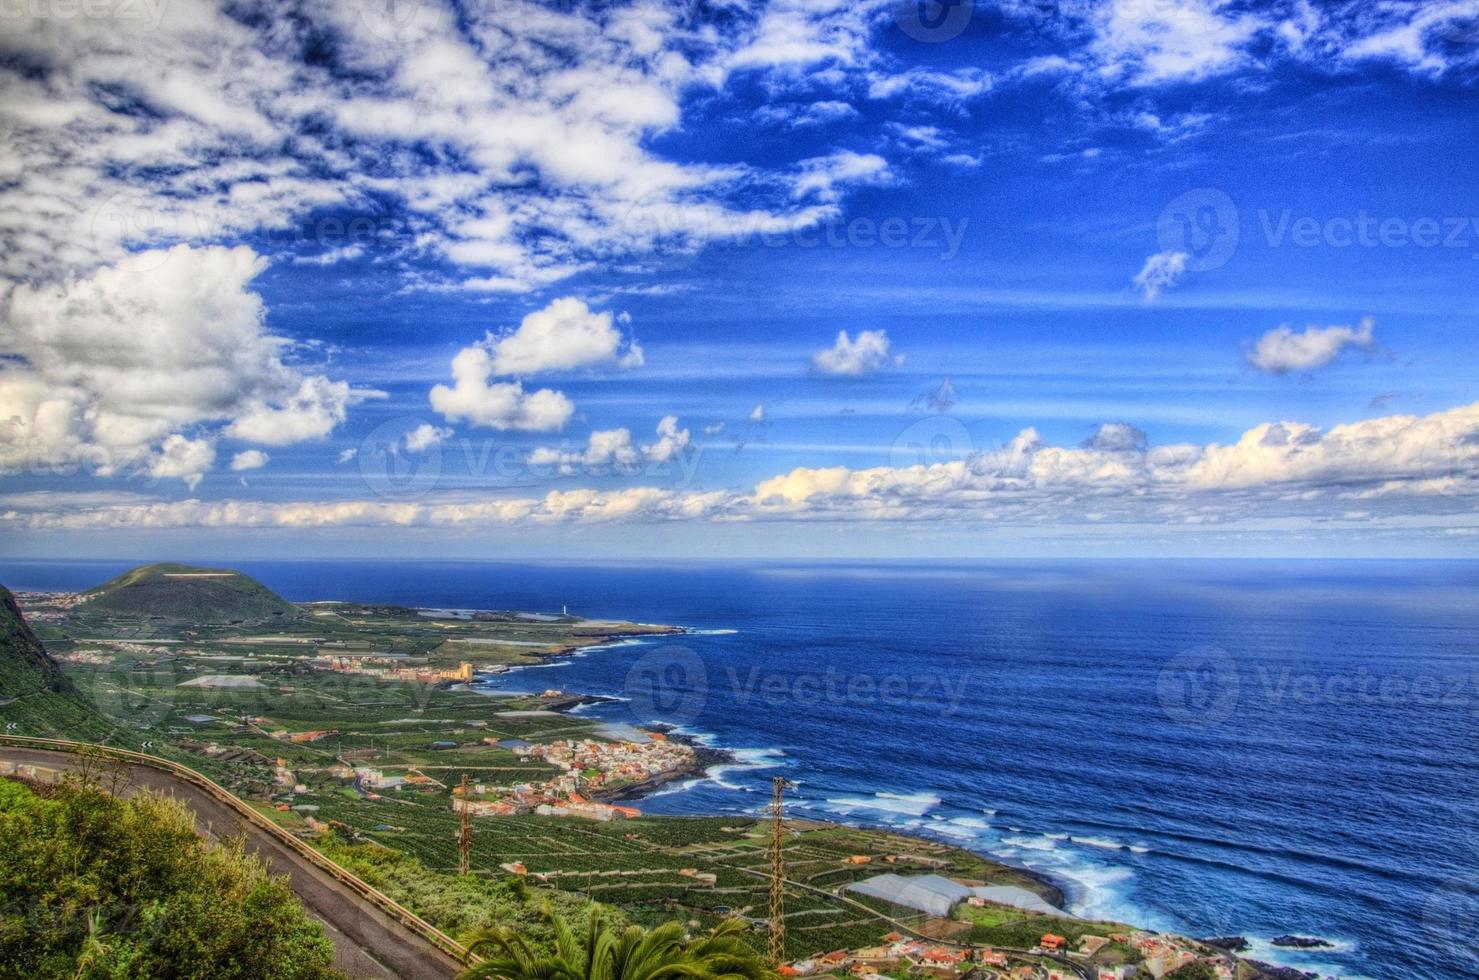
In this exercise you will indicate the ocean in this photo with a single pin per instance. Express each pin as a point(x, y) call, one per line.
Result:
point(1251, 748)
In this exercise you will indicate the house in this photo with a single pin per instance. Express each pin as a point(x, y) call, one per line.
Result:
point(1052, 942)
point(990, 957)
point(858, 859)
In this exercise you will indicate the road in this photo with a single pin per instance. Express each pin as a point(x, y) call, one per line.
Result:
point(367, 942)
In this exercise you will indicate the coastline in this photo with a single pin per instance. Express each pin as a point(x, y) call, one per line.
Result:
point(1058, 892)
point(706, 757)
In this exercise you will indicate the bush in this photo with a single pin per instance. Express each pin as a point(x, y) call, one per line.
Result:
point(95, 886)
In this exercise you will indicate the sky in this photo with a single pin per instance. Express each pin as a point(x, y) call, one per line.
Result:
point(602, 280)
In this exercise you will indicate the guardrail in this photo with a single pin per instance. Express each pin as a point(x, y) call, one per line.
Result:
point(384, 902)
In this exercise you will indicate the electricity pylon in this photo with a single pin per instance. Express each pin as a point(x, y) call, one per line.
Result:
point(464, 834)
point(777, 873)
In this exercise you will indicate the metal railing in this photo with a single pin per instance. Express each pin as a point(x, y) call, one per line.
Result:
point(350, 881)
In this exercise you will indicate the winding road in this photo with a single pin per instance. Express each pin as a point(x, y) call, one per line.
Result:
point(367, 942)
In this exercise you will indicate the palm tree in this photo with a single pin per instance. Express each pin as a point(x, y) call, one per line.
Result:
point(664, 953)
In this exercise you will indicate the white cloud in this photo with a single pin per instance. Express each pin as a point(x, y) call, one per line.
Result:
point(1161, 271)
point(424, 437)
point(606, 450)
point(564, 335)
point(109, 365)
point(1385, 469)
point(855, 357)
point(612, 450)
point(250, 459)
point(1282, 350)
point(497, 405)
point(186, 459)
point(827, 178)
point(671, 441)
point(346, 455)
point(757, 414)
point(1155, 41)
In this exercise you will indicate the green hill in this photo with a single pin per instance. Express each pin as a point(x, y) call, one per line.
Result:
point(188, 594)
point(34, 694)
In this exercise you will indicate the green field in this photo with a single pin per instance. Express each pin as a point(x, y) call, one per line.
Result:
point(143, 673)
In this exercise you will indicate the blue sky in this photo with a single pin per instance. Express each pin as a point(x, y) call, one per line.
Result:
point(638, 279)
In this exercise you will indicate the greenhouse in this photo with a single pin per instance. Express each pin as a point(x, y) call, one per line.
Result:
point(931, 894)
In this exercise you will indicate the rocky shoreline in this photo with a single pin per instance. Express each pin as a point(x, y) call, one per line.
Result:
point(705, 758)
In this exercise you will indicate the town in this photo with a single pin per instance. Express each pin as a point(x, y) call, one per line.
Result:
point(588, 767)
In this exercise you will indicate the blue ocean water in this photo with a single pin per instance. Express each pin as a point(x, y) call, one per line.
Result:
point(1246, 747)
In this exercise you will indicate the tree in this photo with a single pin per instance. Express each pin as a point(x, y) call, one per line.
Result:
point(664, 953)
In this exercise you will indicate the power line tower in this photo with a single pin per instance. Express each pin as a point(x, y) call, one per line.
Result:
point(464, 833)
point(777, 872)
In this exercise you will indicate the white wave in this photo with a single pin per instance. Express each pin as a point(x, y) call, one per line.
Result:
point(714, 632)
point(951, 829)
point(759, 758)
point(1103, 843)
point(1056, 836)
point(906, 804)
point(1139, 849)
point(975, 823)
point(1303, 959)
point(1039, 843)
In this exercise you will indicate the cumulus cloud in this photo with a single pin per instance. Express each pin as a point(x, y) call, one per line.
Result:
point(425, 436)
point(185, 459)
point(671, 441)
point(606, 450)
point(106, 366)
point(854, 357)
point(1161, 271)
point(1283, 349)
point(250, 459)
point(565, 335)
point(1387, 468)
point(612, 450)
point(497, 405)
point(533, 127)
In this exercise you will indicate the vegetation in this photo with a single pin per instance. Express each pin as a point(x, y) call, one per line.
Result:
point(604, 953)
point(189, 594)
point(1192, 971)
point(100, 887)
point(34, 693)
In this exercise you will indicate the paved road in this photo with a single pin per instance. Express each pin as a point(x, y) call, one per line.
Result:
point(367, 942)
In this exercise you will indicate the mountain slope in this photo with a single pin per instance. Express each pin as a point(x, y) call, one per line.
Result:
point(34, 694)
point(188, 594)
